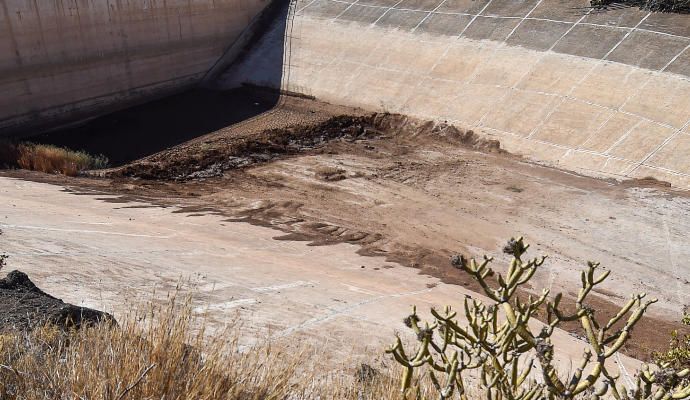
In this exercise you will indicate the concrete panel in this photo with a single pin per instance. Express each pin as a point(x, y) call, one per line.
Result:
point(445, 24)
point(326, 8)
point(621, 83)
point(538, 34)
point(590, 163)
point(380, 3)
point(603, 139)
point(422, 5)
point(506, 67)
point(336, 79)
point(399, 19)
point(514, 8)
point(681, 65)
point(624, 17)
point(590, 41)
point(571, 123)
point(665, 99)
point(561, 10)
point(432, 99)
point(363, 14)
point(641, 141)
point(473, 102)
point(618, 167)
point(400, 56)
point(648, 49)
point(555, 73)
point(385, 87)
point(68, 59)
point(484, 28)
point(673, 24)
point(472, 7)
point(674, 155)
point(520, 112)
point(461, 61)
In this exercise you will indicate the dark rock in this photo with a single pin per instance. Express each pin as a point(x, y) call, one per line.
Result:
point(24, 306)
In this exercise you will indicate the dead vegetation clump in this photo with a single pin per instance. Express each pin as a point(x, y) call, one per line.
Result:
point(214, 157)
point(167, 352)
point(675, 6)
point(48, 158)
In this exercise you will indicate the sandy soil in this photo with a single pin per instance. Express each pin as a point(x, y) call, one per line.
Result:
point(415, 194)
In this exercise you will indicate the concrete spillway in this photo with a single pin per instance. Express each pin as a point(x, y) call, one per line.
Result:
point(65, 59)
point(602, 92)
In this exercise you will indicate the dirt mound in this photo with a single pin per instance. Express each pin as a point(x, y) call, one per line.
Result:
point(402, 125)
point(24, 306)
point(211, 158)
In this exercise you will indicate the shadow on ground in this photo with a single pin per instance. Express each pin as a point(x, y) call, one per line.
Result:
point(146, 129)
point(149, 128)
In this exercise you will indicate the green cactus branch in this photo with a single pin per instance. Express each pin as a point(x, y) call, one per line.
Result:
point(497, 344)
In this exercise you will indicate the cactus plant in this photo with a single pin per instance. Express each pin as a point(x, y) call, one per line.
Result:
point(499, 345)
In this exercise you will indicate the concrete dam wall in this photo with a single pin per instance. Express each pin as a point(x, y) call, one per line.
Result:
point(66, 59)
point(600, 92)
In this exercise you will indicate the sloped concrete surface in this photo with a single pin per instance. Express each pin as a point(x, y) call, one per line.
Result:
point(601, 92)
point(61, 60)
point(112, 256)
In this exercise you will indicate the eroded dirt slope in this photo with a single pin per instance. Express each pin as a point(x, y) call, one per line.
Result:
point(416, 193)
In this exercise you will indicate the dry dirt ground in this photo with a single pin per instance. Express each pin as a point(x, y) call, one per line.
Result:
point(410, 194)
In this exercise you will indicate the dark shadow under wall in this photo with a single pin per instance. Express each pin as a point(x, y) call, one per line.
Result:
point(139, 131)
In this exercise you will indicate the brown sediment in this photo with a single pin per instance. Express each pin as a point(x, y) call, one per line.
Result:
point(389, 170)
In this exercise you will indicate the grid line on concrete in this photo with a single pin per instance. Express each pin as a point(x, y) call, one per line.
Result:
point(527, 73)
point(346, 10)
point(628, 30)
point(668, 64)
point(583, 79)
point(614, 110)
point(480, 14)
point(607, 156)
point(522, 20)
point(562, 96)
point(429, 14)
point(625, 37)
point(623, 137)
point(305, 7)
point(386, 12)
point(656, 150)
point(474, 18)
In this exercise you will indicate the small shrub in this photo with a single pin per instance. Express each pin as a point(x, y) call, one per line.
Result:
point(49, 159)
point(677, 6)
point(500, 345)
point(678, 355)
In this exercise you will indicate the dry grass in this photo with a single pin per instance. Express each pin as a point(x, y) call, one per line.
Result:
point(162, 354)
point(49, 159)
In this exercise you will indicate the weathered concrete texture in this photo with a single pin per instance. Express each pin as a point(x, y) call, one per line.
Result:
point(65, 58)
point(117, 256)
point(605, 93)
